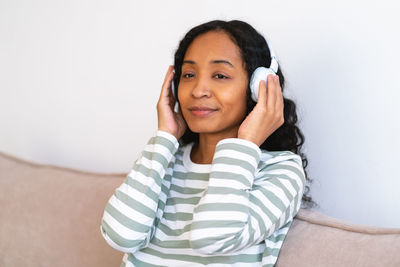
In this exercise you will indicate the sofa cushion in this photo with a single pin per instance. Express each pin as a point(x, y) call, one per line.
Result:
point(50, 216)
point(318, 240)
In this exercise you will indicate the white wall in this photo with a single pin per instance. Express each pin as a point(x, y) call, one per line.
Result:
point(79, 81)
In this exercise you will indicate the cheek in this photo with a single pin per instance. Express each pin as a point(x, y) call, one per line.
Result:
point(236, 98)
point(242, 100)
point(241, 107)
point(181, 95)
point(235, 106)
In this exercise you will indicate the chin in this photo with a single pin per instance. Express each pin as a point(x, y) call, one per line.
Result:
point(197, 125)
point(211, 128)
point(202, 128)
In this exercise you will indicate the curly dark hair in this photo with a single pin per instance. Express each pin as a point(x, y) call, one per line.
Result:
point(254, 53)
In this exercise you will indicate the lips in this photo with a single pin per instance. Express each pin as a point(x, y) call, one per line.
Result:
point(201, 111)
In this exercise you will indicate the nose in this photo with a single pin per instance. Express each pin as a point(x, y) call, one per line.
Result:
point(201, 88)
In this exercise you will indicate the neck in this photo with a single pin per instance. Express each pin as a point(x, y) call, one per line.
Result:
point(203, 152)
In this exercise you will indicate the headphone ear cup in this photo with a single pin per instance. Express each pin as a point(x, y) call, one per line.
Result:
point(173, 88)
point(173, 84)
point(261, 73)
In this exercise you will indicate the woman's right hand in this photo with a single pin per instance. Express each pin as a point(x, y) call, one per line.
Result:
point(168, 120)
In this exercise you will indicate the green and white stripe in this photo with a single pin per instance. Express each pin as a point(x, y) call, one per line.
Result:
point(234, 212)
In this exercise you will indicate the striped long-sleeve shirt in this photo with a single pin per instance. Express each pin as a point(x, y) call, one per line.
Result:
point(236, 211)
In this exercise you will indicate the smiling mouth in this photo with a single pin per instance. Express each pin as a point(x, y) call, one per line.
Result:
point(202, 112)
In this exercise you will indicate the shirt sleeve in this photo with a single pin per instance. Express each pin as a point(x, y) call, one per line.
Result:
point(250, 195)
point(131, 212)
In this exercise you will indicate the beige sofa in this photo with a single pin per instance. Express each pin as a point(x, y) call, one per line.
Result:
point(50, 216)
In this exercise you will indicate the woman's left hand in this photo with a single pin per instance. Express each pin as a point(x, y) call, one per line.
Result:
point(267, 115)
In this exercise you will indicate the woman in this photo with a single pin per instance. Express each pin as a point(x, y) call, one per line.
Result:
point(220, 181)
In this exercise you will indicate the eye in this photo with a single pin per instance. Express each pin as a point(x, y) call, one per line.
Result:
point(187, 75)
point(220, 76)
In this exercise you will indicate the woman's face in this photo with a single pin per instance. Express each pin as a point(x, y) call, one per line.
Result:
point(213, 84)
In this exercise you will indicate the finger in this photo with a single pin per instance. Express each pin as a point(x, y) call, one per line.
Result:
point(262, 93)
point(169, 71)
point(271, 92)
point(167, 82)
point(279, 96)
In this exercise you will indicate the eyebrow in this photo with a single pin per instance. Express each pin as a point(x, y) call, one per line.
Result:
point(219, 61)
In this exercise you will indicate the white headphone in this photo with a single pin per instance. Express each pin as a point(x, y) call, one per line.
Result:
point(176, 107)
point(261, 73)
